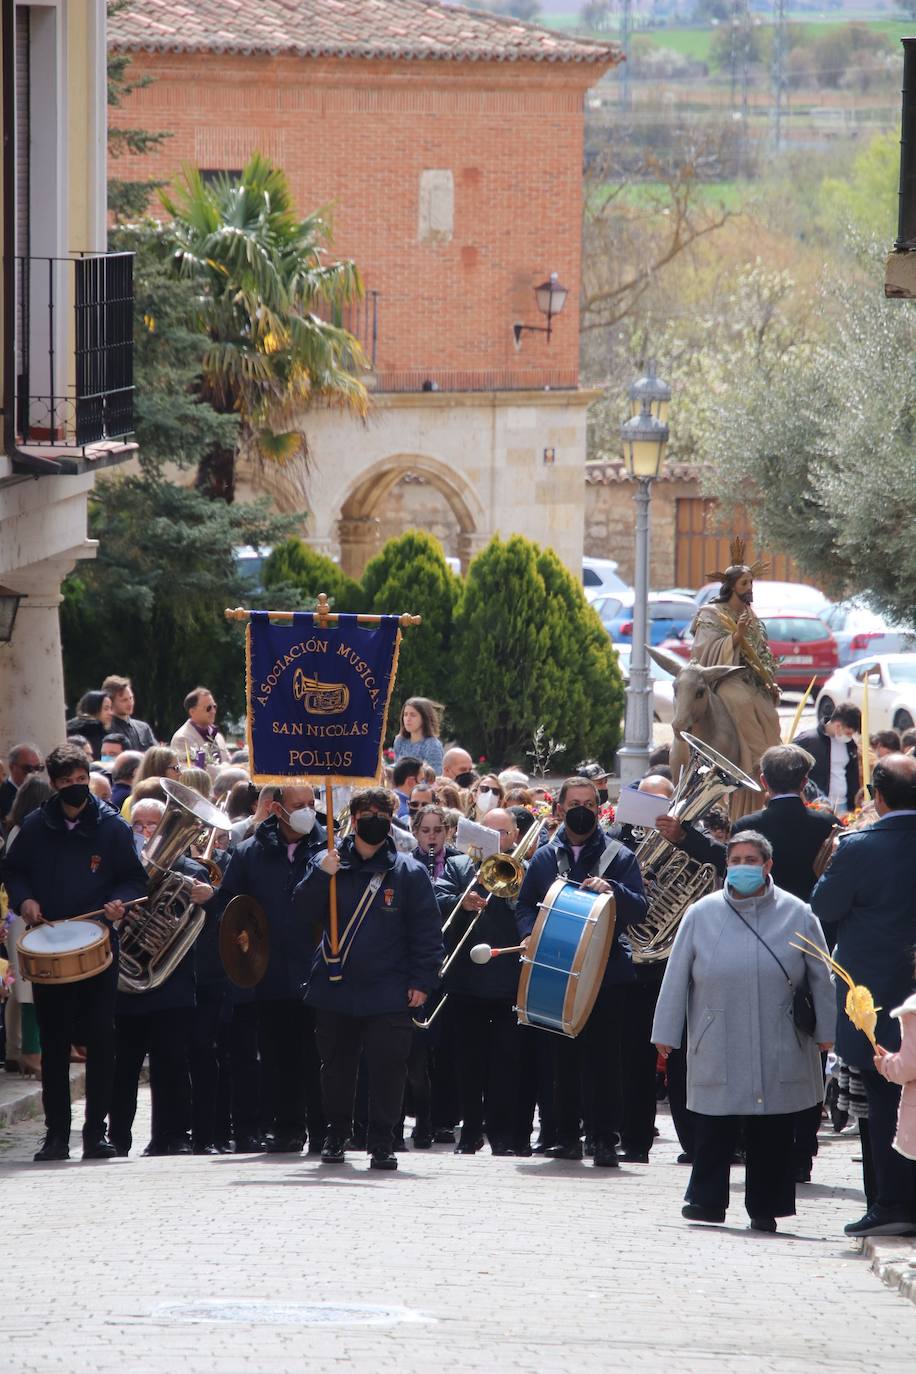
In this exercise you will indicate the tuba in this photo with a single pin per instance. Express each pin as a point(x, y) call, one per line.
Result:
point(156, 937)
point(673, 880)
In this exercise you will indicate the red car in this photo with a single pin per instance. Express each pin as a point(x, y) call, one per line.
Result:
point(805, 645)
point(804, 642)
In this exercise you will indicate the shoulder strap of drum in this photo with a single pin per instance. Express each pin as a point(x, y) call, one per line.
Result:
point(611, 849)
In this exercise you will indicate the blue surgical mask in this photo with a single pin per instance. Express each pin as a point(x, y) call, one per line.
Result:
point(745, 878)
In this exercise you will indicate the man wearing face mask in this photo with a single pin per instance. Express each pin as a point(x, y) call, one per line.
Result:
point(458, 767)
point(75, 854)
point(268, 867)
point(391, 951)
point(589, 1067)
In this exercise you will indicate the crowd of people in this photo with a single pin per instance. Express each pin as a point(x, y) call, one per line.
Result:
point(353, 1030)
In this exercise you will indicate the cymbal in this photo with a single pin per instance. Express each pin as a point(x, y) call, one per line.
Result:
point(244, 941)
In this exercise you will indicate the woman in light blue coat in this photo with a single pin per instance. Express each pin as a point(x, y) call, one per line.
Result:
point(732, 976)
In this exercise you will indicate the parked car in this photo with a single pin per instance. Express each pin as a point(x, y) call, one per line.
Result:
point(668, 614)
point(796, 597)
point(599, 576)
point(858, 630)
point(891, 690)
point(680, 644)
point(662, 684)
point(805, 646)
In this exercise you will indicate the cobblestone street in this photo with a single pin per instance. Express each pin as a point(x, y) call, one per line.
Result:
point(269, 1265)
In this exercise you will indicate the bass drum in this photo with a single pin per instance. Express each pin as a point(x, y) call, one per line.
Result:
point(64, 952)
point(566, 957)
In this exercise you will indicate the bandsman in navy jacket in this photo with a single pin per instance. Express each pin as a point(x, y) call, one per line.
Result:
point(391, 951)
point(588, 1067)
point(75, 854)
point(268, 867)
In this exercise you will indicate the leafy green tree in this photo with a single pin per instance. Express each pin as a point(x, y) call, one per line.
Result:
point(410, 575)
point(294, 564)
point(127, 199)
point(820, 451)
point(530, 652)
point(151, 604)
point(262, 285)
point(864, 200)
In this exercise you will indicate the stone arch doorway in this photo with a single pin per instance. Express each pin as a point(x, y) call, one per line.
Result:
point(408, 492)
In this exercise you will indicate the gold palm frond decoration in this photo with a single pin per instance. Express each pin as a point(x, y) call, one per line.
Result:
point(860, 1005)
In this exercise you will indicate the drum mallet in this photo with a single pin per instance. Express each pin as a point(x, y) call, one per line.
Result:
point(482, 954)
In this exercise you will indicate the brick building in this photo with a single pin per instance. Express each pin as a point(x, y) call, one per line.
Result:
point(447, 144)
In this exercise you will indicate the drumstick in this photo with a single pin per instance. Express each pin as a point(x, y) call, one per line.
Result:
point(482, 954)
point(88, 915)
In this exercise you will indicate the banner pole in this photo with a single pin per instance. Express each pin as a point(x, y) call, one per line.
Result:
point(334, 973)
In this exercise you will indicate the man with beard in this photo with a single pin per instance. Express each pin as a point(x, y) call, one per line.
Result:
point(727, 632)
point(588, 1068)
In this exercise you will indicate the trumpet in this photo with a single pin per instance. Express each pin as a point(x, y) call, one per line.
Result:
point(501, 875)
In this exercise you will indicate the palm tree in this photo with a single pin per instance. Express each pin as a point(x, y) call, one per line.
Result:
point(264, 284)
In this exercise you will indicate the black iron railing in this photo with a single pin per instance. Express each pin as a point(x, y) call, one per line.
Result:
point(75, 315)
point(361, 320)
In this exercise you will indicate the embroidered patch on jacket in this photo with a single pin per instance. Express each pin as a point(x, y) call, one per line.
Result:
point(388, 895)
point(95, 863)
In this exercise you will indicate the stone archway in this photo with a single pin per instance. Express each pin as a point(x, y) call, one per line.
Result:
point(360, 526)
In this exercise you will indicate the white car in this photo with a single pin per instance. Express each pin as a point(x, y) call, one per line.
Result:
point(662, 684)
point(599, 576)
point(891, 690)
point(788, 597)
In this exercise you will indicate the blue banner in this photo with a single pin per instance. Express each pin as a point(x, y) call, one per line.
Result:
point(318, 696)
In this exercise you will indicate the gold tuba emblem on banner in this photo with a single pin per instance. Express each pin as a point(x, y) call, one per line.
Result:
point(320, 698)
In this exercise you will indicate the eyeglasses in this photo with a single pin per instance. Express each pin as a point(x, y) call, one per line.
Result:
point(31, 768)
point(173, 768)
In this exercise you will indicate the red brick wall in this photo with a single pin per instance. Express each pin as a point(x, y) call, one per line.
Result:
point(355, 136)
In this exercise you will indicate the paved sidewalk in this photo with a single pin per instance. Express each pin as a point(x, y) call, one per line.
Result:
point(273, 1265)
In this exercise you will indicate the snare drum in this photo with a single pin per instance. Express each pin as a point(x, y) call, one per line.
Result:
point(567, 954)
point(64, 952)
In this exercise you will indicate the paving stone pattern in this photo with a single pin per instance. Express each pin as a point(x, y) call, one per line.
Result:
point(273, 1265)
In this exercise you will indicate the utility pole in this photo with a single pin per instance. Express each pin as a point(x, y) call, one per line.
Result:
point(779, 72)
point(626, 26)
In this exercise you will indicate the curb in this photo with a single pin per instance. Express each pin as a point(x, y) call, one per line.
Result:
point(893, 1260)
point(20, 1098)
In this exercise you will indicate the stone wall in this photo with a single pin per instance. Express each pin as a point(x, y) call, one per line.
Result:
point(610, 520)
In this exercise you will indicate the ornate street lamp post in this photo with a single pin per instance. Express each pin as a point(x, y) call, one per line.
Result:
point(644, 437)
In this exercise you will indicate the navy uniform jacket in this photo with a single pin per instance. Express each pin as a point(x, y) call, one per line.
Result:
point(797, 834)
point(67, 871)
point(869, 894)
point(497, 980)
point(260, 868)
point(179, 991)
point(399, 944)
point(622, 873)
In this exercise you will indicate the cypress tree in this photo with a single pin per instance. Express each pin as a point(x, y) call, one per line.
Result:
point(294, 564)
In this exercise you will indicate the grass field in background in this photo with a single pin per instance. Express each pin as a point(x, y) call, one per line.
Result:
point(729, 195)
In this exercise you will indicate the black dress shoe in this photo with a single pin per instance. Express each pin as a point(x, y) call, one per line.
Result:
point(606, 1156)
point(522, 1149)
point(543, 1147)
point(333, 1150)
point(121, 1148)
point(501, 1148)
point(802, 1173)
point(98, 1149)
point(383, 1159)
point(684, 1158)
point(763, 1224)
point(52, 1147)
point(162, 1148)
point(692, 1212)
point(571, 1150)
point(421, 1140)
point(444, 1136)
point(635, 1156)
point(469, 1145)
point(206, 1150)
point(225, 1147)
point(285, 1145)
point(249, 1145)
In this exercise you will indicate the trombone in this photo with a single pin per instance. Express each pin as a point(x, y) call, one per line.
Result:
point(501, 875)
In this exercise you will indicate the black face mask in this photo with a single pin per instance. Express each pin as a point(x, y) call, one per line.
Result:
point(602, 795)
point(465, 779)
point(373, 829)
point(75, 793)
point(580, 820)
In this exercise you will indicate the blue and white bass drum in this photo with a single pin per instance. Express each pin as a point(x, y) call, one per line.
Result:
point(567, 954)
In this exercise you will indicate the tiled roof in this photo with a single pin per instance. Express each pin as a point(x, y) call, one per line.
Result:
point(379, 29)
point(607, 472)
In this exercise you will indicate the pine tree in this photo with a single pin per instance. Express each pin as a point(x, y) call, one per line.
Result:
point(293, 563)
point(529, 652)
point(410, 574)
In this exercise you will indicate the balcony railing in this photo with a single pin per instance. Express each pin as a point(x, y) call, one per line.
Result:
point(361, 319)
point(75, 349)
